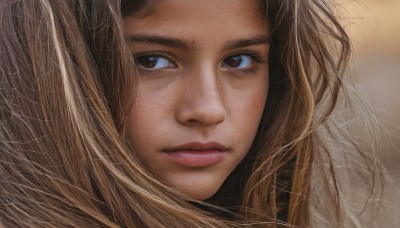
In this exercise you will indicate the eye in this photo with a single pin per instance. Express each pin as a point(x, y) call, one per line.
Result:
point(155, 62)
point(241, 61)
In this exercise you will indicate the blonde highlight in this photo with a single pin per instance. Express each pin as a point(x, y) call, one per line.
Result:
point(65, 160)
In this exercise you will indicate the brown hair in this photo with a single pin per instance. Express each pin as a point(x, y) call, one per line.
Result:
point(66, 85)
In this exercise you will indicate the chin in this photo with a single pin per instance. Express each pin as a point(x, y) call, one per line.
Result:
point(203, 195)
point(198, 191)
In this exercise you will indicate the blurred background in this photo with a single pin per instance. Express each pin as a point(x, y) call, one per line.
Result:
point(373, 25)
point(374, 29)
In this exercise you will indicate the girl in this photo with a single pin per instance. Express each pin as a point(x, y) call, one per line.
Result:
point(168, 113)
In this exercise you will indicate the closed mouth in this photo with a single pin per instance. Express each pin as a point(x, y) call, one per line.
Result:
point(197, 146)
point(196, 154)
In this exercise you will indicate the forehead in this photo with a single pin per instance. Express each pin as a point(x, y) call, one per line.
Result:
point(188, 16)
point(209, 7)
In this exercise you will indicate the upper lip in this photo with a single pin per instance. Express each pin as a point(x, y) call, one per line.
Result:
point(197, 146)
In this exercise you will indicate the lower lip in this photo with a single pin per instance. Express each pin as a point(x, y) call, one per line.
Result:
point(191, 158)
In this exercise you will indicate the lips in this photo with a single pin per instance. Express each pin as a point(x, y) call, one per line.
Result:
point(196, 154)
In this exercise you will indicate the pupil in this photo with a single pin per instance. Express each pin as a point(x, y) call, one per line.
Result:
point(148, 61)
point(234, 61)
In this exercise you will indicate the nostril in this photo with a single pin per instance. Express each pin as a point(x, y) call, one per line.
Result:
point(210, 114)
point(204, 119)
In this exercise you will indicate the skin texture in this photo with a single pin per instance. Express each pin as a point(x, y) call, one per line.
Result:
point(199, 84)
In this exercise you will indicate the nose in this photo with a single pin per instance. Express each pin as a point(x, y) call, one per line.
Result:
point(202, 102)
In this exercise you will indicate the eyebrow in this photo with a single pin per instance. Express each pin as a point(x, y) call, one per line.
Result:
point(190, 45)
point(240, 43)
point(164, 41)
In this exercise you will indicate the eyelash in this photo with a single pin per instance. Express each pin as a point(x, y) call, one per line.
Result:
point(256, 57)
point(155, 54)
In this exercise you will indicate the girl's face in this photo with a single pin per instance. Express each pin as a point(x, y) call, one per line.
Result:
point(203, 85)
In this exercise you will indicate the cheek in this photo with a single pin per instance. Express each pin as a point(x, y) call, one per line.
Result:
point(144, 117)
point(248, 112)
point(249, 107)
point(252, 113)
point(257, 99)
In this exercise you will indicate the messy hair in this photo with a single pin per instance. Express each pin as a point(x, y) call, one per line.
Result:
point(68, 80)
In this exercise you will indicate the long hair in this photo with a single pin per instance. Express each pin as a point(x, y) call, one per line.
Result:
point(68, 80)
